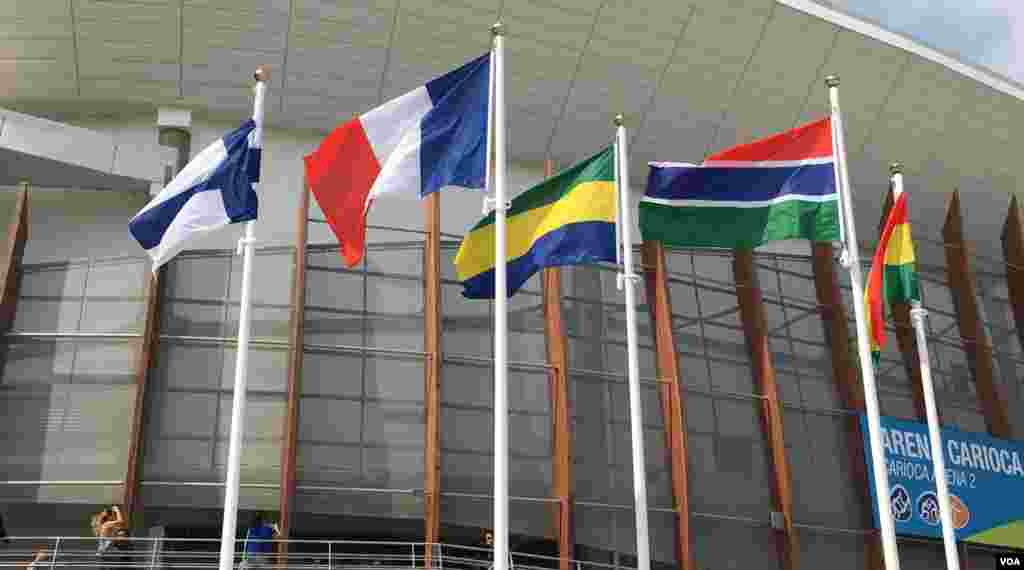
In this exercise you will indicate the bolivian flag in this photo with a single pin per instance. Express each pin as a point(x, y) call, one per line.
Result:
point(566, 220)
point(892, 270)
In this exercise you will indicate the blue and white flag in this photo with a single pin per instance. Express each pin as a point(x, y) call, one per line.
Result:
point(215, 189)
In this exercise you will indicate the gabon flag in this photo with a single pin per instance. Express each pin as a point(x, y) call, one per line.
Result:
point(893, 274)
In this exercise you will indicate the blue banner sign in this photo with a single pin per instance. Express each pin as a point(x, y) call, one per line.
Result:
point(985, 477)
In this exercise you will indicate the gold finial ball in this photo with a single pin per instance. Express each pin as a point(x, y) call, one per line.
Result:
point(619, 120)
point(262, 74)
point(499, 29)
point(832, 81)
point(896, 168)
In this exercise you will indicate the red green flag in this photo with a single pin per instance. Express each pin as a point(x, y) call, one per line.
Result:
point(893, 272)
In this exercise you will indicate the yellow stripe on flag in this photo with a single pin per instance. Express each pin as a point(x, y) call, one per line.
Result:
point(589, 202)
point(900, 249)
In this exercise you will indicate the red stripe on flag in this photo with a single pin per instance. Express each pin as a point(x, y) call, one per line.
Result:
point(813, 140)
point(341, 172)
point(876, 281)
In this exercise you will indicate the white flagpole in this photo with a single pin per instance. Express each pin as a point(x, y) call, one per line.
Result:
point(227, 537)
point(851, 259)
point(629, 280)
point(500, 309)
point(917, 316)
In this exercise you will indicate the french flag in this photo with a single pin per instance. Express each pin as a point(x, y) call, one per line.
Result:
point(432, 137)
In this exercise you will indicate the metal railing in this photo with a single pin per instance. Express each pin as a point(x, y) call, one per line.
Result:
point(60, 553)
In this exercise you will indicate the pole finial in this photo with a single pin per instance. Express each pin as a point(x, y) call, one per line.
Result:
point(499, 29)
point(832, 80)
point(262, 74)
point(619, 120)
point(896, 168)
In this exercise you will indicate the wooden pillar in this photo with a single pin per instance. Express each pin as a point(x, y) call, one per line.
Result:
point(14, 250)
point(748, 293)
point(432, 375)
point(1013, 253)
point(659, 304)
point(848, 385)
point(145, 361)
point(977, 345)
point(905, 337)
point(296, 341)
point(561, 436)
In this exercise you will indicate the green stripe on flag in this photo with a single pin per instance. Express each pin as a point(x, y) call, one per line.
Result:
point(742, 228)
point(901, 285)
point(599, 167)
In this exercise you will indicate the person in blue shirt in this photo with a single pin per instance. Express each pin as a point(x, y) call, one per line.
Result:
point(258, 545)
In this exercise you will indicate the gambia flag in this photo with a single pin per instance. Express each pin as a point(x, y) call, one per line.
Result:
point(777, 188)
point(893, 274)
point(568, 219)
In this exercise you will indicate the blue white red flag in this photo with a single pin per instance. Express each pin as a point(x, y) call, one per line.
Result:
point(432, 137)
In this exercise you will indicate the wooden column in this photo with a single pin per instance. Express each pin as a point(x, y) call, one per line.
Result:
point(748, 293)
point(296, 341)
point(848, 385)
point(145, 361)
point(1013, 253)
point(561, 436)
point(960, 278)
point(10, 263)
point(905, 337)
point(14, 250)
point(432, 375)
point(659, 304)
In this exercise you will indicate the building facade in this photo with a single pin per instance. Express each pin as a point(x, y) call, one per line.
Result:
point(370, 404)
point(75, 372)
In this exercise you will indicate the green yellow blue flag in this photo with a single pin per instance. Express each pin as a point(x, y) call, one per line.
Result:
point(568, 219)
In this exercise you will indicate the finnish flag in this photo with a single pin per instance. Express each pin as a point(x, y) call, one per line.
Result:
point(215, 189)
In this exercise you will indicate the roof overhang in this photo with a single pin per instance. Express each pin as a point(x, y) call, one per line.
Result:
point(691, 77)
point(48, 154)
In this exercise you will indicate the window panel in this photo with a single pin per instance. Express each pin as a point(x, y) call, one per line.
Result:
point(333, 289)
point(38, 362)
point(46, 315)
point(391, 468)
point(266, 321)
point(331, 328)
point(394, 378)
point(184, 366)
point(832, 550)
point(187, 318)
point(328, 464)
point(393, 424)
point(198, 278)
point(331, 374)
point(326, 420)
point(123, 279)
point(719, 543)
point(113, 316)
point(267, 368)
point(403, 332)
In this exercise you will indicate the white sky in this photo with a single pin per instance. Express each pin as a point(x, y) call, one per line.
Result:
point(984, 32)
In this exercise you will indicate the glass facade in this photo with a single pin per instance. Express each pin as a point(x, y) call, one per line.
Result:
point(68, 391)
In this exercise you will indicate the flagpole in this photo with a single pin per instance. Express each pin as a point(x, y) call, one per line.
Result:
point(917, 316)
point(629, 280)
point(500, 309)
point(227, 537)
point(852, 261)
